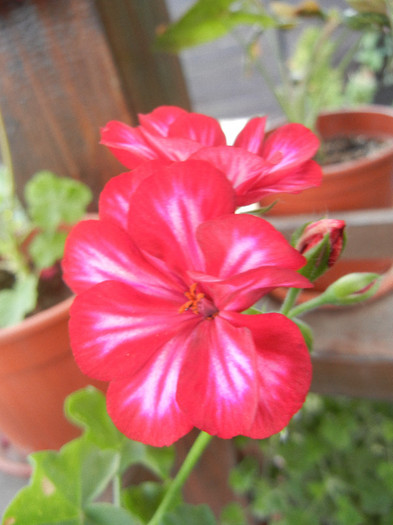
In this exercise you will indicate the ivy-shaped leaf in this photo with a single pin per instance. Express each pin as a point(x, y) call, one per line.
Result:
point(87, 409)
point(47, 247)
point(54, 200)
point(62, 485)
point(143, 499)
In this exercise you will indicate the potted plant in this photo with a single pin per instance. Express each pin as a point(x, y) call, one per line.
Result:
point(174, 322)
point(327, 81)
point(36, 367)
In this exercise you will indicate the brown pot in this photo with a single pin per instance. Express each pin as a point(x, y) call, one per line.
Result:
point(37, 372)
point(364, 183)
point(358, 184)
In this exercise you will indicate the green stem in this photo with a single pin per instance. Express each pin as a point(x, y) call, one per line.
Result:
point(116, 490)
point(6, 157)
point(185, 470)
point(312, 304)
point(289, 300)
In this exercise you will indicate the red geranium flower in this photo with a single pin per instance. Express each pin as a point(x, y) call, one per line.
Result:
point(161, 279)
point(255, 165)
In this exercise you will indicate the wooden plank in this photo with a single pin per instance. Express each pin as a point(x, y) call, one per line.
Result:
point(353, 349)
point(58, 85)
point(149, 78)
point(68, 67)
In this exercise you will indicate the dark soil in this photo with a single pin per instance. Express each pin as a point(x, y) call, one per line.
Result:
point(51, 291)
point(345, 148)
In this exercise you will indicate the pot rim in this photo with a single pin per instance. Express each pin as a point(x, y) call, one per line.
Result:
point(381, 154)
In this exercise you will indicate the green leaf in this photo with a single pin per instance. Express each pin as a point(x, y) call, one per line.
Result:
point(54, 200)
point(233, 514)
point(62, 484)
point(87, 409)
point(105, 514)
point(143, 499)
point(17, 302)
point(189, 515)
point(207, 21)
point(47, 247)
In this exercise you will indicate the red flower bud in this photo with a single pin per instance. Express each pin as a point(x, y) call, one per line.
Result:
point(314, 233)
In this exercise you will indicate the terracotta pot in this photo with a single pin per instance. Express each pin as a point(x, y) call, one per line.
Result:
point(37, 372)
point(364, 183)
point(358, 184)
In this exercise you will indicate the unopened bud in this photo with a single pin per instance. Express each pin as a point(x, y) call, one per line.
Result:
point(352, 288)
point(321, 243)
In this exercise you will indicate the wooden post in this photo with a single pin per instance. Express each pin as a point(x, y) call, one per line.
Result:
point(62, 78)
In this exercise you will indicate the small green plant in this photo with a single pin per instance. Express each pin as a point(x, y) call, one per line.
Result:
point(333, 465)
point(82, 483)
point(32, 237)
point(338, 58)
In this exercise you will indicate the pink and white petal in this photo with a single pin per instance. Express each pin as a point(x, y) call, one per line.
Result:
point(169, 148)
point(241, 291)
point(308, 175)
point(284, 370)
point(236, 243)
point(300, 178)
point(217, 383)
point(289, 146)
point(202, 129)
point(168, 209)
point(239, 165)
point(114, 200)
point(115, 329)
point(159, 120)
point(251, 137)
point(144, 407)
point(97, 251)
point(127, 144)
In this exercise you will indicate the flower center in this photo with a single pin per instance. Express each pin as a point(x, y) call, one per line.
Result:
point(198, 303)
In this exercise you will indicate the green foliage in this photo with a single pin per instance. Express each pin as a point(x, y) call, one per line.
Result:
point(189, 515)
point(66, 485)
point(53, 201)
point(33, 239)
point(333, 465)
point(324, 70)
point(207, 21)
point(18, 301)
point(233, 514)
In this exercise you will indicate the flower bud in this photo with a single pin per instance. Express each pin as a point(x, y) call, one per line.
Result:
point(321, 242)
point(352, 288)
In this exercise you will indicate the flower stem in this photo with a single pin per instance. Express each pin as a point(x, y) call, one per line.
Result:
point(185, 470)
point(289, 300)
point(312, 304)
point(6, 157)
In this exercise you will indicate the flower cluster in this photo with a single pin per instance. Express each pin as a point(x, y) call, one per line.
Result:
point(164, 279)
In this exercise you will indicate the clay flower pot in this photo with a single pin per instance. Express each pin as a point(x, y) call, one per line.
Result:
point(37, 372)
point(363, 183)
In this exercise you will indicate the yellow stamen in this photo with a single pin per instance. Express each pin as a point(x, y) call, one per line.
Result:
point(193, 299)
